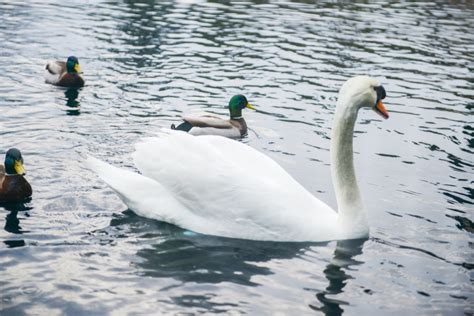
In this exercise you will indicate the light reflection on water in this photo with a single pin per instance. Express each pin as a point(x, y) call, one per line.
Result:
point(72, 249)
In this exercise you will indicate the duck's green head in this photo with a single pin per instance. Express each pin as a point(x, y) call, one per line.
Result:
point(14, 162)
point(72, 65)
point(236, 104)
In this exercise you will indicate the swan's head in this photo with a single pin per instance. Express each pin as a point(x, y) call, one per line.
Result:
point(236, 104)
point(363, 92)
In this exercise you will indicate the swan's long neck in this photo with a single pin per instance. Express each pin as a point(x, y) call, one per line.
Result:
point(350, 208)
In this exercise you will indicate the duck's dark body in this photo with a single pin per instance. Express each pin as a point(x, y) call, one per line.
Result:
point(13, 188)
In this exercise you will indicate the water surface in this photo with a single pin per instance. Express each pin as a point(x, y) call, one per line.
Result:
point(76, 249)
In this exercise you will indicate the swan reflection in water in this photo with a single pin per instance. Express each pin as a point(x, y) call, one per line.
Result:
point(73, 106)
point(188, 257)
point(335, 273)
point(12, 222)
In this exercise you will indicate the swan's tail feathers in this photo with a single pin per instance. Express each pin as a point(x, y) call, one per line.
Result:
point(185, 127)
point(121, 181)
point(143, 195)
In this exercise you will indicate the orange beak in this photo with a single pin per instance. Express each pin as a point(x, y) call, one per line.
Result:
point(380, 109)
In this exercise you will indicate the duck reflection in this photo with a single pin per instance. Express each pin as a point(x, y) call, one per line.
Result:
point(72, 104)
point(335, 273)
point(12, 222)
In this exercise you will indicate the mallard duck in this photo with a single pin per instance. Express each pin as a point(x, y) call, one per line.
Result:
point(234, 127)
point(13, 186)
point(64, 74)
point(216, 186)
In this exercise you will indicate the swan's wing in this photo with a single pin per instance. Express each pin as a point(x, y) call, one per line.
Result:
point(235, 190)
point(178, 158)
point(208, 121)
point(145, 196)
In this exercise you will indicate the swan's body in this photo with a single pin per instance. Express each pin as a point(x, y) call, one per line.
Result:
point(64, 74)
point(216, 186)
point(204, 188)
point(234, 127)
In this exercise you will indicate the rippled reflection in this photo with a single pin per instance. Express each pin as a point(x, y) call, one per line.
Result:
point(146, 63)
point(72, 103)
point(191, 257)
point(337, 276)
point(12, 222)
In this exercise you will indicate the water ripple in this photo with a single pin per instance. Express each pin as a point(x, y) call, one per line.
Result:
point(73, 250)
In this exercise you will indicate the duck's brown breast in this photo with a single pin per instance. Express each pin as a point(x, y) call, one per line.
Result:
point(14, 189)
point(71, 80)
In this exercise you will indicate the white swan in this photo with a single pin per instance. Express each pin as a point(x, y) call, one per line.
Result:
point(217, 186)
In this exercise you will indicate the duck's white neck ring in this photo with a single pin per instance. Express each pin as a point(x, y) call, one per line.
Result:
point(236, 117)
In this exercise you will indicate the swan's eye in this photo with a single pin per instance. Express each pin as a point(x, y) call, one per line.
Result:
point(381, 94)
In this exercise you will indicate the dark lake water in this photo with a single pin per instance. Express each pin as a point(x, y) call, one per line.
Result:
point(75, 248)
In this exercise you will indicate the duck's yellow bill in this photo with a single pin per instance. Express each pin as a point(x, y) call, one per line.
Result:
point(77, 68)
point(250, 106)
point(19, 168)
